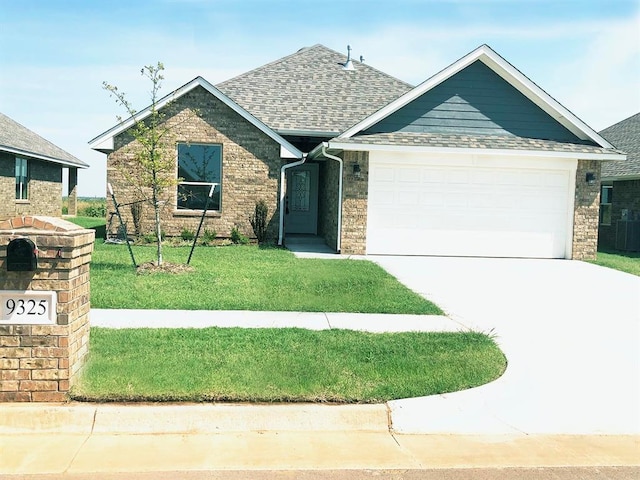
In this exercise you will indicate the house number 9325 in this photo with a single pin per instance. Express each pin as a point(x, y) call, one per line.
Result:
point(25, 307)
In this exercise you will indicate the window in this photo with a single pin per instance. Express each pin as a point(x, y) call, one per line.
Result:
point(606, 195)
point(200, 167)
point(22, 179)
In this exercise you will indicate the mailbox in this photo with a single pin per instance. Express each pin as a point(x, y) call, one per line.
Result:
point(21, 255)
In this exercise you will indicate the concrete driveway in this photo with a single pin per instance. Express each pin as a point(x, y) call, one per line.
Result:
point(571, 334)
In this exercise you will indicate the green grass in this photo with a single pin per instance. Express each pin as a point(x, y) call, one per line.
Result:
point(94, 223)
point(273, 365)
point(624, 261)
point(248, 278)
point(87, 222)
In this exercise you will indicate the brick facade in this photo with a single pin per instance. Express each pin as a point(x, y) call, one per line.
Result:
point(354, 203)
point(586, 212)
point(250, 168)
point(328, 205)
point(40, 363)
point(45, 189)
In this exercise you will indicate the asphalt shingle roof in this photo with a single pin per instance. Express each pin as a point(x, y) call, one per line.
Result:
point(624, 135)
point(16, 137)
point(310, 91)
point(437, 140)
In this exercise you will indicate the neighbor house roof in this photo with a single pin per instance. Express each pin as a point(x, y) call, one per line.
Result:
point(625, 135)
point(309, 92)
point(19, 140)
point(104, 141)
point(515, 78)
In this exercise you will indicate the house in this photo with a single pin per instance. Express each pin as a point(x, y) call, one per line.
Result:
point(31, 173)
point(475, 161)
point(620, 189)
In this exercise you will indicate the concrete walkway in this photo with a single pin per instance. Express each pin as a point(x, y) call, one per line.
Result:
point(376, 323)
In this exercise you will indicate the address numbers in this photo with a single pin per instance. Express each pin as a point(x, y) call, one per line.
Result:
point(27, 307)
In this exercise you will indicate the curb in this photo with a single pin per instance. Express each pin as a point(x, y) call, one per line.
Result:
point(190, 418)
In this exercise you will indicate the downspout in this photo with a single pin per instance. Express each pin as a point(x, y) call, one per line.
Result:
point(339, 160)
point(283, 185)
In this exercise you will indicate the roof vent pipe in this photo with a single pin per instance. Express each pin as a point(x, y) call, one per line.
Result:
point(348, 65)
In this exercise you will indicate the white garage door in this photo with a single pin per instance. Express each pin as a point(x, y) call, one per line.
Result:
point(476, 207)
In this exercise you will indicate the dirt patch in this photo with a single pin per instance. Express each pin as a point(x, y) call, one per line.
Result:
point(166, 267)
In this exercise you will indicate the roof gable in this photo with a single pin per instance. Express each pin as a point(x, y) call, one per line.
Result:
point(19, 140)
point(624, 135)
point(474, 101)
point(510, 75)
point(310, 93)
point(104, 141)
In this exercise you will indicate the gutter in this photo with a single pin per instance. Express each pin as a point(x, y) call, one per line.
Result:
point(325, 145)
point(283, 185)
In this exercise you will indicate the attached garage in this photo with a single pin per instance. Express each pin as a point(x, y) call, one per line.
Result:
point(477, 161)
point(473, 205)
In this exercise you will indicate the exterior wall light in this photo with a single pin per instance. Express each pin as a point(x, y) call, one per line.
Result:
point(356, 169)
point(590, 178)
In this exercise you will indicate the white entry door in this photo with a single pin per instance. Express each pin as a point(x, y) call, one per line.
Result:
point(492, 208)
point(301, 203)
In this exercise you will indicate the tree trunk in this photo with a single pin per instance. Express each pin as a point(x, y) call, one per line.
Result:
point(156, 209)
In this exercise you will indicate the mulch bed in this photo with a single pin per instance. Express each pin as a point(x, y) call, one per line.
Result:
point(165, 267)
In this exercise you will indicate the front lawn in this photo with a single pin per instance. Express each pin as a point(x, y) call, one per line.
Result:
point(248, 278)
point(624, 261)
point(273, 365)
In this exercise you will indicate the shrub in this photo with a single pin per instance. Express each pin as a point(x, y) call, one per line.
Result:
point(209, 236)
point(238, 238)
point(94, 210)
point(187, 234)
point(259, 221)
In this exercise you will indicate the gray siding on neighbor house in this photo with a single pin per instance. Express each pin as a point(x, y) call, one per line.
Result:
point(475, 101)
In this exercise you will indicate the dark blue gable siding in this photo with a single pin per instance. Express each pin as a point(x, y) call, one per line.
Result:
point(475, 101)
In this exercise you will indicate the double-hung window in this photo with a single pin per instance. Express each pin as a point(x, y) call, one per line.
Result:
point(199, 168)
point(22, 179)
point(606, 196)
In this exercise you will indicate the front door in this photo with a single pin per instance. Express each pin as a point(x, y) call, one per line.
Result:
point(301, 212)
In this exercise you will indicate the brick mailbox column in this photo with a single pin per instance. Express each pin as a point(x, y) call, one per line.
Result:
point(44, 312)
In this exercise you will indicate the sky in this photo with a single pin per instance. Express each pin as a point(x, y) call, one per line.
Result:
point(55, 54)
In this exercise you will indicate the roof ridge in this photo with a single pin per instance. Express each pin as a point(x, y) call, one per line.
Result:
point(274, 62)
point(305, 50)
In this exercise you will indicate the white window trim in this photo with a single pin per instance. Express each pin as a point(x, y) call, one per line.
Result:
point(609, 204)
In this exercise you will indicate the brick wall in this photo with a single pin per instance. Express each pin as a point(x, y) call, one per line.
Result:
point(354, 206)
point(250, 168)
point(328, 202)
point(40, 363)
point(45, 189)
point(586, 212)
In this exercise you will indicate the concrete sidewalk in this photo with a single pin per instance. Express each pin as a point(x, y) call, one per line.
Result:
point(84, 438)
point(369, 322)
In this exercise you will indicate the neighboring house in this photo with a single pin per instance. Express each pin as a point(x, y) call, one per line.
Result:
point(620, 189)
point(475, 161)
point(31, 173)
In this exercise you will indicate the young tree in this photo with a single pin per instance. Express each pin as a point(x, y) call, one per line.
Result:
point(154, 158)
